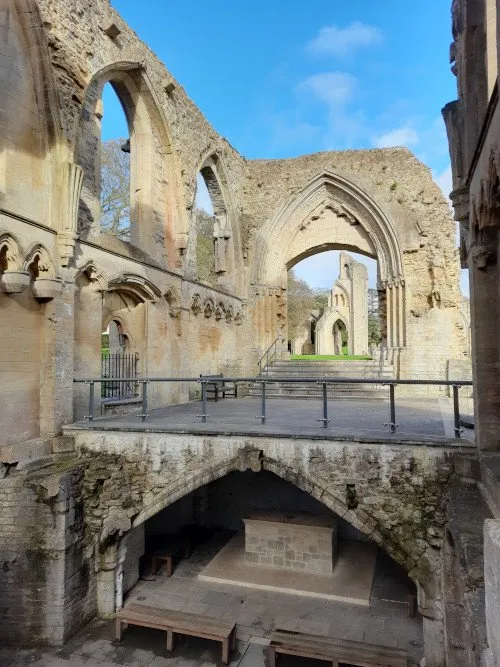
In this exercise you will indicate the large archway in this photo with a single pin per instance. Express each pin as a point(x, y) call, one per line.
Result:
point(155, 225)
point(331, 213)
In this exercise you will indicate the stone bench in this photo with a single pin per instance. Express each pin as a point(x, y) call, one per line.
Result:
point(334, 651)
point(180, 623)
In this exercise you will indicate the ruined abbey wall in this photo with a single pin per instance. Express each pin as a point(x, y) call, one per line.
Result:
point(62, 281)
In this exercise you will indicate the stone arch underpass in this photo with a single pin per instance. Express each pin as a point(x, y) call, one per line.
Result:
point(399, 491)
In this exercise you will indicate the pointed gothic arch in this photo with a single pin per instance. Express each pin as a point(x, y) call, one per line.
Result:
point(330, 213)
point(157, 228)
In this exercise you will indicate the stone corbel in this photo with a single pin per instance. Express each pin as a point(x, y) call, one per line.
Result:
point(196, 305)
point(208, 308)
point(66, 237)
point(14, 278)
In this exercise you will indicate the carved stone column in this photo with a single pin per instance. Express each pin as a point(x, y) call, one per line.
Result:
point(71, 186)
point(484, 277)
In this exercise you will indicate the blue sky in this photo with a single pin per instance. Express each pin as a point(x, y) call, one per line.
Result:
point(282, 78)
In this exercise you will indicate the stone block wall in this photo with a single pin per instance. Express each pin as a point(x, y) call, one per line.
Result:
point(47, 577)
point(304, 546)
point(135, 548)
point(492, 588)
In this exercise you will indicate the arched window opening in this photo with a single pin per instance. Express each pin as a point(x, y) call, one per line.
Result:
point(335, 286)
point(115, 167)
point(204, 229)
point(211, 259)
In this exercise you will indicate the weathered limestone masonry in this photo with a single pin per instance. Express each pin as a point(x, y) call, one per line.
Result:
point(473, 124)
point(397, 493)
point(62, 282)
point(347, 303)
point(382, 203)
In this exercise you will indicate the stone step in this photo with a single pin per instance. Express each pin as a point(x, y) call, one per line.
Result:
point(359, 396)
point(348, 391)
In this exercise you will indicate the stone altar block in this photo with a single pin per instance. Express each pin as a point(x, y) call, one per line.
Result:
point(292, 542)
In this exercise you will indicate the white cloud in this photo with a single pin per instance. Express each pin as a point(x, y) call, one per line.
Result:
point(445, 181)
point(401, 136)
point(334, 88)
point(332, 40)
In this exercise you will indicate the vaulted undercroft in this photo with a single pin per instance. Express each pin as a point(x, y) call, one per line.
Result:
point(69, 501)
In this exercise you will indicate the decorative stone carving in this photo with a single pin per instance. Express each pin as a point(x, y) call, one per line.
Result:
point(229, 314)
point(14, 282)
point(10, 254)
point(219, 311)
point(250, 458)
point(196, 304)
point(66, 237)
point(172, 300)
point(222, 234)
point(208, 308)
point(46, 288)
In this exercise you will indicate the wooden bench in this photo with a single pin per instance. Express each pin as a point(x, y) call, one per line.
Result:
point(334, 650)
point(180, 623)
point(217, 386)
point(179, 546)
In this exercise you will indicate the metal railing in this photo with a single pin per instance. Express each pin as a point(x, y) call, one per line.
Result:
point(272, 352)
point(120, 370)
point(264, 381)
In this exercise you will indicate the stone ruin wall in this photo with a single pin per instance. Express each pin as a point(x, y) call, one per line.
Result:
point(190, 328)
point(82, 507)
point(403, 187)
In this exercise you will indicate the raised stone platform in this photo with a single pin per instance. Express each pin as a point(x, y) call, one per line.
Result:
point(294, 542)
point(350, 581)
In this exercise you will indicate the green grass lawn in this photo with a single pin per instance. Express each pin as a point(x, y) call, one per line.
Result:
point(328, 357)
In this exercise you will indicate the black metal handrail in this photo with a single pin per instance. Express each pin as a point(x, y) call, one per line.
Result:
point(265, 380)
point(270, 354)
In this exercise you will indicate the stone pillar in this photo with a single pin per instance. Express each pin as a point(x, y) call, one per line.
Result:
point(106, 582)
point(485, 312)
point(431, 608)
point(492, 588)
point(56, 379)
point(433, 630)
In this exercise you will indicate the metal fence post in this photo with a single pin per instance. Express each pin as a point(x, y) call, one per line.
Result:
point(91, 402)
point(144, 415)
point(392, 403)
point(263, 416)
point(324, 419)
point(204, 401)
point(456, 411)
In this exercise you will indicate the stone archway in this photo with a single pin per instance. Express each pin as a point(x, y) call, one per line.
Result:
point(125, 473)
point(155, 224)
point(330, 213)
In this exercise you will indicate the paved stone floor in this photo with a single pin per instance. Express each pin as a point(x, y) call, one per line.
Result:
point(419, 419)
point(256, 612)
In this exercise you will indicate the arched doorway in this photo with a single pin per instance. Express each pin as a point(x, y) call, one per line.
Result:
point(340, 338)
point(331, 213)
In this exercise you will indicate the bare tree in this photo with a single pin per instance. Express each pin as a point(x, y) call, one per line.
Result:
point(115, 189)
point(302, 299)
